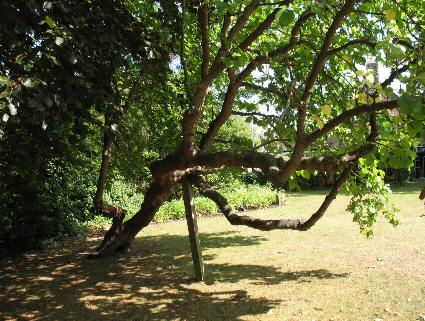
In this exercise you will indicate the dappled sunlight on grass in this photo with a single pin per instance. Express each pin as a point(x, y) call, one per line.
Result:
point(328, 272)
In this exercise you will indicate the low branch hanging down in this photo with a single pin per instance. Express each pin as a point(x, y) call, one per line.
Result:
point(264, 224)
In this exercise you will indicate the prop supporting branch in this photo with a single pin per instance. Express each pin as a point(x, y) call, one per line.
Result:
point(192, 225)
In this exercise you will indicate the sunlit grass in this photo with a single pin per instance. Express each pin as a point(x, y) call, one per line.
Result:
point(331, 272)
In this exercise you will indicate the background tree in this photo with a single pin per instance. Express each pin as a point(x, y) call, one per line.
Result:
point(62, 67)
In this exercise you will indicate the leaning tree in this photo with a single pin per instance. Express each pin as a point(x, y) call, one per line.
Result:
point(304, 60)
point(296, 69)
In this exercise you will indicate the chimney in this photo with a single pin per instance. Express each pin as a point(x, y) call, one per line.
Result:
point(373, 65)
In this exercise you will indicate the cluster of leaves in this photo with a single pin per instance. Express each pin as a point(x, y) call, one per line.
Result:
point(369, 196)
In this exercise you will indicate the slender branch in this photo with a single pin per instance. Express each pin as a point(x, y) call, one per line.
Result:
point(293, 40)
point(182, 53)
point(346, 115)
point(395, 73)
point(108, 140)
point(269, 142)
point(279, 3)
point(117, 213)
point(351, 43)
point(318, 64)
point(252, 114)
point(191, 117)
point(242, 19)
point(234, 31)
point(263, 26)
point(261, 88)
point(321, 57)
point(235, 82)
point(205, 41)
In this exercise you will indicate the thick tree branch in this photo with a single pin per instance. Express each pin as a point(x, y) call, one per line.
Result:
point(264, 224)
point(225, 113)
point(174, 166)
point(272, 165)
point(226, 24)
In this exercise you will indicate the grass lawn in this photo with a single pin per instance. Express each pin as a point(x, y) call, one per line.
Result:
point(331, 272)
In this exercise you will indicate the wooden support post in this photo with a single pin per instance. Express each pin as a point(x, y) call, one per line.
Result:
point(192, 226)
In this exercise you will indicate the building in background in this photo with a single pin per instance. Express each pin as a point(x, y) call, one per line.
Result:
point(420, 161)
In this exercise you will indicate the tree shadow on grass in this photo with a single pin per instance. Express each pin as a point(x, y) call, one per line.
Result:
point(150, 282)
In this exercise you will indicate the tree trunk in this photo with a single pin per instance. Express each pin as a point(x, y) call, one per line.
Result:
point(115, 212)
point(120, 239)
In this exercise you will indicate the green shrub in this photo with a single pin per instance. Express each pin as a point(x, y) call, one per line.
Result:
point(124, 194)
point(239, 196)
point(45, 203)
point(397, 177)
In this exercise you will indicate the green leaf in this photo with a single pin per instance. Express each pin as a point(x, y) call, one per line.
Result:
point(395, 51)
point(326, 110)
point(400, 161)
point(409, 106)
point(390, 14)
point(50, 22)
point(319, 122)
point(293, 185)
point(28, 66)
point(4, 80)
point(28, 83)
point(421, 77)
point(59, 41)
point(285, 17)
